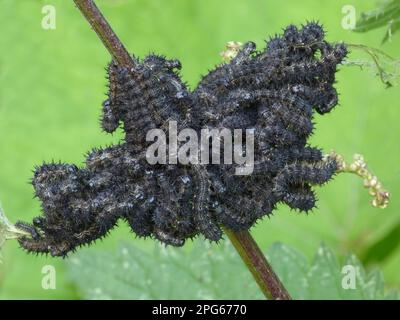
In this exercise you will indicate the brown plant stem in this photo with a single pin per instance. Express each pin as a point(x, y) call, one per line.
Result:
point(243, 242)
point(105, 32)
point(258, 265)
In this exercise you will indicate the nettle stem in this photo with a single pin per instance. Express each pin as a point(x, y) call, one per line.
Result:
point(258, 265)
point(243, 242)
point(105, 32)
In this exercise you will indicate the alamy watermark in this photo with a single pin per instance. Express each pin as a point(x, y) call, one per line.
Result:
point(49, 277)
point(349, 277)
point(49, 17)
point(349, 18)
point(186, 147)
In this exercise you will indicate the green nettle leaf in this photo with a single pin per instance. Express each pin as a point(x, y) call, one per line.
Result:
point(206, 272)
point(384, 247)
point(387, 14)
point(215, 272)
point(393, 27)
point(380, 63)
point(292, 268)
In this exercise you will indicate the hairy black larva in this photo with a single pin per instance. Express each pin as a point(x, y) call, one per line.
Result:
point(275, 91)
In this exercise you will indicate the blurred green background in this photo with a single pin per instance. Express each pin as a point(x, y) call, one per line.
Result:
point(52, 84)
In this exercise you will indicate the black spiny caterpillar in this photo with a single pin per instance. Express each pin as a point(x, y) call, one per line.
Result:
point(274, 91)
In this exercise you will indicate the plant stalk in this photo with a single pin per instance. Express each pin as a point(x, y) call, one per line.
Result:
point(104, 31)
point(258, 265)
point(243, 242)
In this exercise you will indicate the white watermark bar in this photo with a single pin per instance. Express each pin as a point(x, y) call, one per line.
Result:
point(187, 147)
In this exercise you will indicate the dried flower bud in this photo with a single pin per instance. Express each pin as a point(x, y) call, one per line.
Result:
point(370, 181)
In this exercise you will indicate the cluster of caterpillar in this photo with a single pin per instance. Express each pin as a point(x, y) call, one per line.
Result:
point(274, 91)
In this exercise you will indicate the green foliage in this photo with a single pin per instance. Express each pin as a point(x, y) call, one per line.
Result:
point(384, 66)
point(380, 250)
point(206, 272)
point(213, 272)
point(387, 14)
